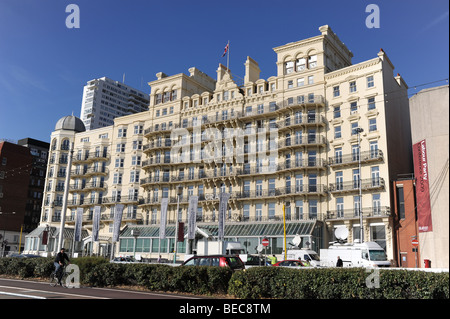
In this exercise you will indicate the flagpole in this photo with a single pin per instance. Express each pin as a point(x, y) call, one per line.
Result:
point(228, 55)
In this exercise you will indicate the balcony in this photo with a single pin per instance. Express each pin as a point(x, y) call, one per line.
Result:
point(353, 186)
point(368, 212)
point(305, 189)
point(352, 159)
point(310, 140)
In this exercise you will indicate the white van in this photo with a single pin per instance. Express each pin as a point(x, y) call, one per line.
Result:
point(367, 254)
point(305, 254)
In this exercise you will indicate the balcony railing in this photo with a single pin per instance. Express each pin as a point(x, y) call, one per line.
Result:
point(366, 184)
point(380, 211)
point(350, 159)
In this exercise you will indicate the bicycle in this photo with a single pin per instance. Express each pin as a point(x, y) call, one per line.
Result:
point(62, 274)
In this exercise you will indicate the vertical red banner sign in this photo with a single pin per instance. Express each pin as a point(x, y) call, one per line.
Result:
point(422, 186)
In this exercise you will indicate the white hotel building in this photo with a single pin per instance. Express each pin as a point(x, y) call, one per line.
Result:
point(299, 150)
point(105, 99)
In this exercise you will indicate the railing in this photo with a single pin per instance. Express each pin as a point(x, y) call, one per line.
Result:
point(366, 184)
point(354, 158)
point(367, 212)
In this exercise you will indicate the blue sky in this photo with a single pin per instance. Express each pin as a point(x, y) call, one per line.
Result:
point(44, 65)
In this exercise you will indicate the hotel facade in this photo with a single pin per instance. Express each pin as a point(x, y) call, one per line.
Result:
point(314, 145)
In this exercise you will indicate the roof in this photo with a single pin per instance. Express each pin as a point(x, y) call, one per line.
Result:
point(71, 123)
point(270, 229)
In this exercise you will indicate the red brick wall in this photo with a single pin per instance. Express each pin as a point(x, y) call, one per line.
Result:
point(406, 227)
point(15, 163)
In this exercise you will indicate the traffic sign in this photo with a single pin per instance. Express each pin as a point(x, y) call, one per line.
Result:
point(415, 242)
point(265, 242)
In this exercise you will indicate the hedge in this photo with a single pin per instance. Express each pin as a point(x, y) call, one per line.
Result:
point(254, 283)
point(337, 283)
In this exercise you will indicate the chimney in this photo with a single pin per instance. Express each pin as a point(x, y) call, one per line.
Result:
point(252, 70)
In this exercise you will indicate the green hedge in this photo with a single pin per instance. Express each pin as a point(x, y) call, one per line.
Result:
point(254, 283)
point(337, 283)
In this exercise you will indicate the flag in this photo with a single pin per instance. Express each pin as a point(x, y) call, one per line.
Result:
point(226, 50)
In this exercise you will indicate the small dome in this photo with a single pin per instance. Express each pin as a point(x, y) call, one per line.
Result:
point(71, 123)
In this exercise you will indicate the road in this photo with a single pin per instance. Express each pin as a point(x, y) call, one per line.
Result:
point(25, 289)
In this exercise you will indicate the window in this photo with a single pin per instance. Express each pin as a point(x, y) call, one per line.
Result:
point(312, 61)
point(298, 209)
point(373, 149)
point(337, 112)
point(337, 132)
point(258, 212)
point(338, 155)
point(271, 211)
point(339, 181)
point(290, 84)
point(354, 127)
point(246, 211)
point(376, 205)
point(370, 82)
point(372, 125)
point(312, 208)
point(289, 67)
point(301, 64)
point(352, 86)
point(300, 82)
point(371, 103)
point(375, 174)
point(336, 91)
point(158, 98)
point(353, 107)
point(138, 129)
point(340, 207)
point(122, 132)
point(355, 174)
point(311, 79)
point(120, 148)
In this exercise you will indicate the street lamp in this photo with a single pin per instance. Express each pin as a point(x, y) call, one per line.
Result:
point(359, 130)
point(179, 193)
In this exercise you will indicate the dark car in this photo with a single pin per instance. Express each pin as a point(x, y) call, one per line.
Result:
point(253, 260)
point(234, 262)
point(289, 263)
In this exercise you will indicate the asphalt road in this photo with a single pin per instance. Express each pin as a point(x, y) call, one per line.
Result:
point(25, 289)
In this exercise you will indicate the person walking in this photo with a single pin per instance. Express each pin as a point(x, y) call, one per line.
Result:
point(339, 262)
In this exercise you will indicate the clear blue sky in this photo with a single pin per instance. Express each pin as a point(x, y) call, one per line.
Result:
point(44, 65)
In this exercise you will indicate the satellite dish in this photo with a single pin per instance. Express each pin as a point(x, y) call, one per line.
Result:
point(341, 233)
point(297, 240)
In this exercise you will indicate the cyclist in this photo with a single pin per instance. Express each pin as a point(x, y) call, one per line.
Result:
point(59, 261)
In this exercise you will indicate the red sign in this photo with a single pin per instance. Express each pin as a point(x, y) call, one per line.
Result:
point(415, 242)
point(265, 242)
point(421, 172)
point(180, 235)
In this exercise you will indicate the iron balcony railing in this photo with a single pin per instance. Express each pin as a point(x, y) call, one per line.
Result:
point(365, 156)
point(379, 211)
point(366, 184)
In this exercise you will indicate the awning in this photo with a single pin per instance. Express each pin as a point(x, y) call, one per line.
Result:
point(54, 232)
point(257, 229)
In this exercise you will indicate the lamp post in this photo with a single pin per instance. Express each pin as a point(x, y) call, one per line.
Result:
point(179, 193)
point(361, 228)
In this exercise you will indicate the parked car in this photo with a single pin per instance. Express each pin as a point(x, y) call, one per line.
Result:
point(254, 261)
point(125, 260)
point(23, 256)
point(234, 262)
point(290, 264)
